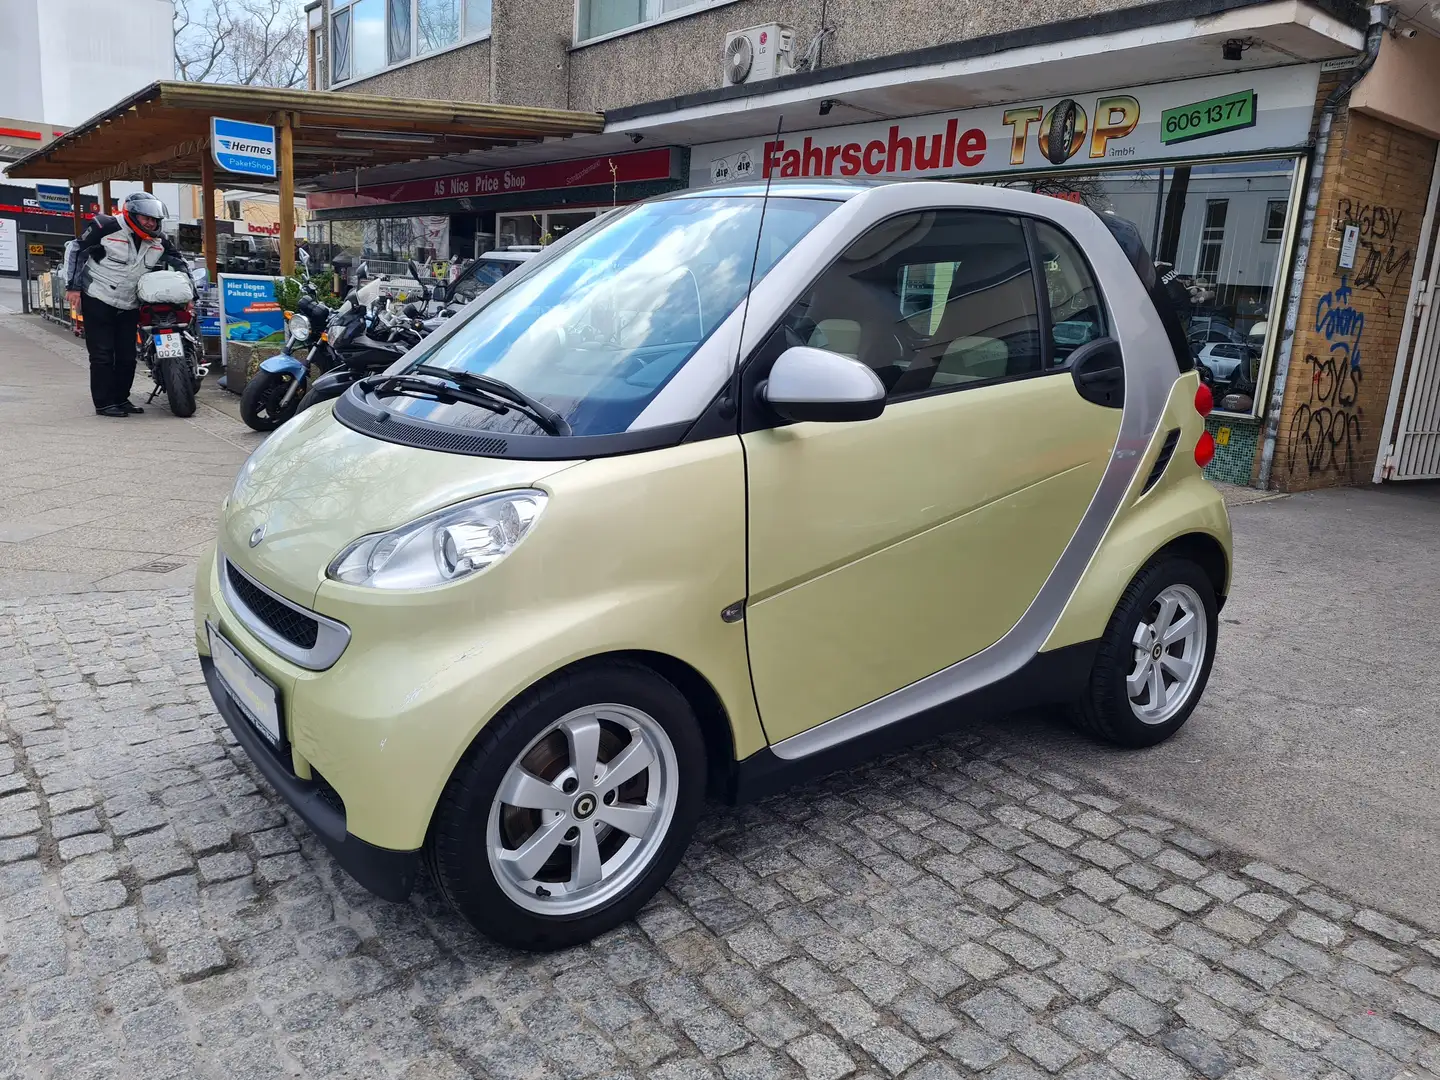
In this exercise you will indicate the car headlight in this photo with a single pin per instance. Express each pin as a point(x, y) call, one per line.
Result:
point(299, 328)
point(441, 547)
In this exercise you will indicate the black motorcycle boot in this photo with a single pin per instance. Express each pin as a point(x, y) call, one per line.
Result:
point(113, 410)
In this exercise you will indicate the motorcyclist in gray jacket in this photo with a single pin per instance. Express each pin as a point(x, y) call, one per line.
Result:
point(103, 269)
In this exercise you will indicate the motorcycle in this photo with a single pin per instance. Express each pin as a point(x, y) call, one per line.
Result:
point(336, 344)
point(366, 341)
point(168, 337)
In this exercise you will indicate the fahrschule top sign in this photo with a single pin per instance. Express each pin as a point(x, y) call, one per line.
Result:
point(1215, 116)
point(239, 147)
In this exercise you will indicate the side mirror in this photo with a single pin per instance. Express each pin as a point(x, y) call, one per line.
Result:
point(817, 385)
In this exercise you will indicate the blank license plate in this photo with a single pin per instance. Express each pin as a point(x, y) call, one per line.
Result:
point(256, 695)
point(169, 346)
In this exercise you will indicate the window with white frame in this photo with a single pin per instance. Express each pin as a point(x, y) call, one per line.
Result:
point(367, 36)
point(596, 18)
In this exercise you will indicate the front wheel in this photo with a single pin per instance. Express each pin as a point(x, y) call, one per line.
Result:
point(572, 808)
point(262, 405)
point(178, 381)
point(1155, 658)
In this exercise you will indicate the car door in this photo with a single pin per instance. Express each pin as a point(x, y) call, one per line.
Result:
point(885, 550)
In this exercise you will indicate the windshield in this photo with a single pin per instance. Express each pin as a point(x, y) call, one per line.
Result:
point(597, 331)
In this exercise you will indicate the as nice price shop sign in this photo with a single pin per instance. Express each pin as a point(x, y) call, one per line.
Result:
point(1211, 117)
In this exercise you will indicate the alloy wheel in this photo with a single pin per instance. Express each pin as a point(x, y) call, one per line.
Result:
point(1170, 643)
point(583, 810)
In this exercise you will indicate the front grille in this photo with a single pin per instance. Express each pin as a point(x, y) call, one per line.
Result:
point(298, 629)
point(1167, 451)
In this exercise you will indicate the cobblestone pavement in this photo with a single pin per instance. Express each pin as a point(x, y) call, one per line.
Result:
point(955, 910)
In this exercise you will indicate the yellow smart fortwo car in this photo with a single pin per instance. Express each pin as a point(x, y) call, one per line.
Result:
point(723, 490)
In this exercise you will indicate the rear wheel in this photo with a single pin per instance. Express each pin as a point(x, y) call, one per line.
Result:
point(176, 377)
point(572, 809)
point(1155, 658)
point(260, 404)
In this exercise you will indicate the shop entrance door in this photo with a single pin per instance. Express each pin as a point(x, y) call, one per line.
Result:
point(1414, 453)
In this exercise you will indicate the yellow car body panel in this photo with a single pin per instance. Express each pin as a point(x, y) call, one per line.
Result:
point(315, 486)
point(425, 670)
point(1182, 503)
point(882, 552)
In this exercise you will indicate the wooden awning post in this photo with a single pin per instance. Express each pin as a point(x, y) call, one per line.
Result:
point(207, 214)
point(285, 166)
point(77, 205)
point(105, 205)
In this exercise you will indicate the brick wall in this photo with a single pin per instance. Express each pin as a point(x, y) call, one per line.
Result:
point(1377, 177)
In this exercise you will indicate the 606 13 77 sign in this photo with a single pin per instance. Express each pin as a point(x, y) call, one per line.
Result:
point(1210, 117)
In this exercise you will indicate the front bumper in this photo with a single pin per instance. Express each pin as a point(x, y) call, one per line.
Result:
point(388, 874)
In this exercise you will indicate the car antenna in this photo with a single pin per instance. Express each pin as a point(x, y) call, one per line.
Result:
point(755, 261)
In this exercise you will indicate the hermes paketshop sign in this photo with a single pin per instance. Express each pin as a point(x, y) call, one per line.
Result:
point(556, 175)
point(1220, 115)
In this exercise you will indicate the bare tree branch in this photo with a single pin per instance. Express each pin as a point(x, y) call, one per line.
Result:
point(245, 42)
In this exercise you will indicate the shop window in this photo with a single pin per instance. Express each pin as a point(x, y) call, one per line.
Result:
point(539, 228)
point(1212, 238)
point(1275, 221)
point(928, 323)
point(367, 36)
point(1217, 231)
point(597, 18)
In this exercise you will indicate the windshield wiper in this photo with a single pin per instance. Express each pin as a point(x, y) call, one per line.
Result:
point(381, 385)
point(538, 411)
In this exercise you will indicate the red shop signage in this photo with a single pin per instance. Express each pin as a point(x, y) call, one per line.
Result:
point(551, 176)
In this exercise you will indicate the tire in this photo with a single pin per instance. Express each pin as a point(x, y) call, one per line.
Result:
point(179, 385)
point(1106, 708)
point(476, 835)
point(311, 399)
point(260, 403)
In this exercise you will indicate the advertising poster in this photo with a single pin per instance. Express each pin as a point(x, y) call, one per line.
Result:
point(249, 312)
point(9, 246)
point(1218, 115)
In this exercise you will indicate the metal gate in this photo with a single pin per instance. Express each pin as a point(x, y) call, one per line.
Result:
point(1414, 451)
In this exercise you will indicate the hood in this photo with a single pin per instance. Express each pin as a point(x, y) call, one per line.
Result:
point(315, 486)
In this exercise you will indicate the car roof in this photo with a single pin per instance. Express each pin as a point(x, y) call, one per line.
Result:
point(838, 189)
point(509, 256)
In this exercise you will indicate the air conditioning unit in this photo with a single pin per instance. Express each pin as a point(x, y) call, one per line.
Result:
point(758, 52)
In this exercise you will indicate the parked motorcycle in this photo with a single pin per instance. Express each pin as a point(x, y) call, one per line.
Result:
point(169, 339)
point(338, 345)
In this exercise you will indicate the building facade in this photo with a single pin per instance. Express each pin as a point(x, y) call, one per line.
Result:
point(1200, 120)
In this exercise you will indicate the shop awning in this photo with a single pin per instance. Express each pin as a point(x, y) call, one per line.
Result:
point(161, 133)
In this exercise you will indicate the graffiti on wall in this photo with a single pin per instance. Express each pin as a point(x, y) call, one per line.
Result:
point(1326, 432)
point(1381, 256)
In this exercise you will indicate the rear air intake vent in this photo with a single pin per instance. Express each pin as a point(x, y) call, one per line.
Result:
point(1162, 462)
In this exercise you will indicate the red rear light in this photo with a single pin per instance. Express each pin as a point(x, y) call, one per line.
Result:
point(1204, 402)
point(1205, 448)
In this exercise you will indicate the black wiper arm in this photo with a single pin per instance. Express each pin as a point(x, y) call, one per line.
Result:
point(538, 411)
point(381, 385)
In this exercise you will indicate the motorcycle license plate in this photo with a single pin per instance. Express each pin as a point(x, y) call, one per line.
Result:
point(169, 346)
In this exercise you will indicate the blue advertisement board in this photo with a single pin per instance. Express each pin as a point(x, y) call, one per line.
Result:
point(51, 197)
point(249, 312)
point(239, 147)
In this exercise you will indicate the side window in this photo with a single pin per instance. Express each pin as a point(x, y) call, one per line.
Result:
point(931, 301)
point(1077, 313)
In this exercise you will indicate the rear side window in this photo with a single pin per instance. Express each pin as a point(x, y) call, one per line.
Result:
point(1128, 237)
point(1077, 313)
point(932, 301)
